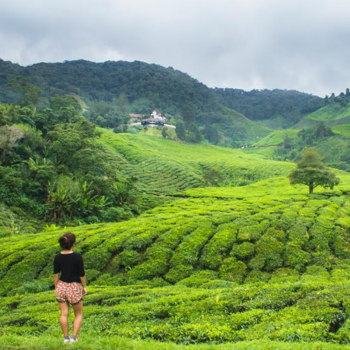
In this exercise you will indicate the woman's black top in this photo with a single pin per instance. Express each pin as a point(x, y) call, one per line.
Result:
point(71, 267)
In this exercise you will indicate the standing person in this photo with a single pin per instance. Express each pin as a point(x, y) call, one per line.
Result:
point(70, 286)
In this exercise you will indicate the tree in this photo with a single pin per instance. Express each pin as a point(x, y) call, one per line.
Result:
point(165, 133)
point(312, 172)
point(9, 139)
point(211, 134)
point(30, 94)
point(187, 114)
point(287, 143)
point(180, 130)
point(194, 134)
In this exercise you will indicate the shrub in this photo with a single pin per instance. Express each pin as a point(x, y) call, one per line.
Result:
point(243, 251)
point(341, 245)
point(36, 286)
point(218, 246)
point(186, 255)
point(179, 272)
point(156, 263)
point(257, 276)
point(249, 233)
point(295, 256)
point(199, 278)
point(298, 233)
point(233, 270)
point(246, 319)
point(127, 258)
point(115, 214)
point(284, 275)
point(268, 254)
point(97, 258)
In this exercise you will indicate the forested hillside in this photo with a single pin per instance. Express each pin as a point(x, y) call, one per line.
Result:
point(277, 108)
point(111, 90)
point(146, 86)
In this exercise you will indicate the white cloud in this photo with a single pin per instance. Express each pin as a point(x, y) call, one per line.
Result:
point(246, 44)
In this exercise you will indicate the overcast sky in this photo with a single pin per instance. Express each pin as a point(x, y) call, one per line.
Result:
point(287, 44)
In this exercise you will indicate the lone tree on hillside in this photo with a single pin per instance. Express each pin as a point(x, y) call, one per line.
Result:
point(312, 172)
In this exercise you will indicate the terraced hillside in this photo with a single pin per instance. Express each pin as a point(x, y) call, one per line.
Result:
point(164, 166)
point(251, 266)
point(333, 114)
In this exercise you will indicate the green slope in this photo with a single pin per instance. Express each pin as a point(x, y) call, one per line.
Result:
point(206, 229)
point(343, 129)
point(164, 166)
point(332, 114)
point(276, 138)
point(264, 262)
point(274, 108)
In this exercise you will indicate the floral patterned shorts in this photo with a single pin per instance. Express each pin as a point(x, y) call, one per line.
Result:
point(71, 293)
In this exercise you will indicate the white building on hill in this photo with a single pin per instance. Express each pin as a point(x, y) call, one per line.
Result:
point(157, 116)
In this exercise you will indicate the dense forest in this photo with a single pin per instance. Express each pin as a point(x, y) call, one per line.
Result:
point(53, 169)
point(284, 107)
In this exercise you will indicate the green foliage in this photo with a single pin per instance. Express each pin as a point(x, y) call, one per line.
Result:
point(54, 168)
point(186, 272)
point(219, 245)
point(257, 264)
point(291, 106)
point(312, 172)
point(180, 130)
point(70, 199)
point(29, 93)
point(233, 270)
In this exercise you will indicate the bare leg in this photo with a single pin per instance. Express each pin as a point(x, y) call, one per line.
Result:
point(64, 318)
point(78, 311)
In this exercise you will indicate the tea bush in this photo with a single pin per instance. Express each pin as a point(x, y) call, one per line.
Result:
point(265, 263)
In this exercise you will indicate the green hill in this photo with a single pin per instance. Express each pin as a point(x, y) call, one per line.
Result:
point(72, 171)
point(343, 129)
point(165, 167)
point(118, 88)
point(214, 248)
point(273, 108)
point(327, 129)
point(332, 114)
point(264, 262)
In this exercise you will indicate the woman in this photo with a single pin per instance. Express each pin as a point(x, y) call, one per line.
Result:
point(70, 287)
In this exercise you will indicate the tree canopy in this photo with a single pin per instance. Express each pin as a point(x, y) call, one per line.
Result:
point(312, 172)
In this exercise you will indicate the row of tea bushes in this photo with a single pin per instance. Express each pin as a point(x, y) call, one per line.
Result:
point(164, 166)
point(240, 238)
point(306, 311)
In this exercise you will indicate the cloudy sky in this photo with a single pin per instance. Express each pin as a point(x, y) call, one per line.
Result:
point(287, 44)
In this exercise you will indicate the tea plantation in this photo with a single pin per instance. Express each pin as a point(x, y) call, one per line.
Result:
point(263, 266)
point(162, 167)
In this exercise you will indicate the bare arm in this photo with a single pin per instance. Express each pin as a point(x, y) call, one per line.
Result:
point(83, 282)
point(56, 278)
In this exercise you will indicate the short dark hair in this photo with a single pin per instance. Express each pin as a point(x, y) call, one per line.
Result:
point(67, 240)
